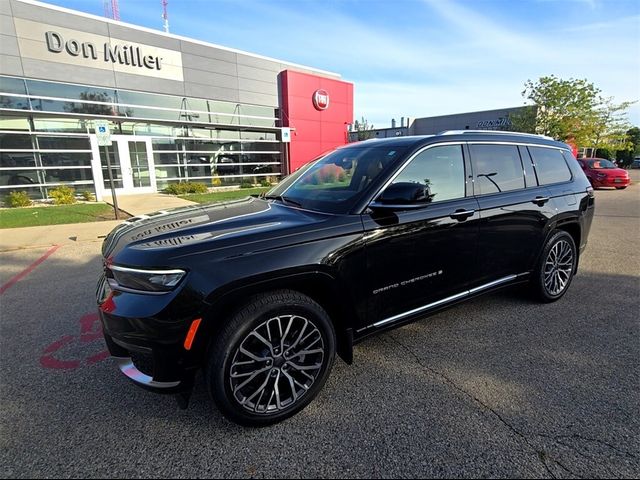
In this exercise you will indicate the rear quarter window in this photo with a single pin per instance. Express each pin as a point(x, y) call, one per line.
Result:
point(550, 165)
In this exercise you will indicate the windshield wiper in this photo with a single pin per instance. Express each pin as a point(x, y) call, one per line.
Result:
point(283, 199)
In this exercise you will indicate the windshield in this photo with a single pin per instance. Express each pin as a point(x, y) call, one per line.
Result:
point(336, 181)
point(601, 164)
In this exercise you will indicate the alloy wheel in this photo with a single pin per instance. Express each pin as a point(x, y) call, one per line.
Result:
point(276, 364)
point(558, 268)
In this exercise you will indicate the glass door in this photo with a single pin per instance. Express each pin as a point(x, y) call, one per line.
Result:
point(131, 165)
point(139, 164)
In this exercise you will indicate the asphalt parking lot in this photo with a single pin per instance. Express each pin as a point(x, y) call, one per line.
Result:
point(497, 387)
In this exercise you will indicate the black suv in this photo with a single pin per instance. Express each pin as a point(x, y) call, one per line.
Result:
point(262, 293)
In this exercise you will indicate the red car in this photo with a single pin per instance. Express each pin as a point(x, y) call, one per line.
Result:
point(604, 173)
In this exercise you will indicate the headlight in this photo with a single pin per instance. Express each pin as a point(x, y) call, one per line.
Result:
point(153, 281)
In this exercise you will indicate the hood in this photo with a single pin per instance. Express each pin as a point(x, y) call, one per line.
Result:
point(163, 234)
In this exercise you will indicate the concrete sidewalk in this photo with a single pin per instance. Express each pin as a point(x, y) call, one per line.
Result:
point(140, 204)
point(70, 233)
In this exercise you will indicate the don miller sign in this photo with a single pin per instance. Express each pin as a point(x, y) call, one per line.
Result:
point(120, 54)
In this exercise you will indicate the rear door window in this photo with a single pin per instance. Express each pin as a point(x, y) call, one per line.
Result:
point(550, 165)
point(497, 168)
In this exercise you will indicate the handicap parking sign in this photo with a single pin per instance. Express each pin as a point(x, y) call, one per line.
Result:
point(103, 133)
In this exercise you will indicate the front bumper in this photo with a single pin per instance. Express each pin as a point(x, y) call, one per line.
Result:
point(129, 369)
point(146, 337)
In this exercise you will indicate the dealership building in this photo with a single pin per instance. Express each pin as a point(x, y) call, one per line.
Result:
point(179, 109)
point(497, 119)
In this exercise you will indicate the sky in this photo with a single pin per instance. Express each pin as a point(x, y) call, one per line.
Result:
point(421, 58)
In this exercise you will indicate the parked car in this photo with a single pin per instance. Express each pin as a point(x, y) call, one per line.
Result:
point(262, 293)
point(636, 163)
point(604, 173)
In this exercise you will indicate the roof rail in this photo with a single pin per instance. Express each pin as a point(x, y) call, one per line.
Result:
point(495, 132)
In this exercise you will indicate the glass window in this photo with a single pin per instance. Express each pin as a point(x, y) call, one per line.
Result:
point(497, 168)
point(20, 177)
point(73, 92)
point(15, 141)
point(260, 147)
point(224, 107)
point(150, 99)
point(33, 192)
point(16, 103)
point(439, 168)
point(12, 85)
point(172, 158)
point(169, 172)
point(14, 123)
point(258, 111)
point(152, 113)
point(140, 128)
point(550, 165)
point(62, 125)
point(17, 159)
point(64, 143)
point(66, 175)
point(66, 159)
point(258, 136)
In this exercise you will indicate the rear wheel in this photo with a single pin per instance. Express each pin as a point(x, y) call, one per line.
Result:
point(271, 359)
point(556, 267)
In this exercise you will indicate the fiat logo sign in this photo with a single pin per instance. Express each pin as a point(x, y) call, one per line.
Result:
point(321, 99)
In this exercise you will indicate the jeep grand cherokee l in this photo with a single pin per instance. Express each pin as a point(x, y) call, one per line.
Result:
point(262, 293)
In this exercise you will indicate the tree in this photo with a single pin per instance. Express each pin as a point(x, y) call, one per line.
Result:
point(625, 157)
point(609, 130)
point(574, 108)
point(363, 129)
point(564, 108)
point(524, 120)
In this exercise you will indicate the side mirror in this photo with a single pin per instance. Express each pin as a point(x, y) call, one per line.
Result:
point(403, 196)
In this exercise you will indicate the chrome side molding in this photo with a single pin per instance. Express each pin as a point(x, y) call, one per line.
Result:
point(437, 303)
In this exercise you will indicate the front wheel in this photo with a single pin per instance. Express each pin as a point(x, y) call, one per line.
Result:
point(620, 188)
point(271, 359)
point(555, 268)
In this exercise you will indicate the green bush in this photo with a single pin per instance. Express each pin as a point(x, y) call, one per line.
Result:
point(18, 199)
point(63, 195)
point(246, 185)
point(265, 183)
point(183, 188)
point(88, 196)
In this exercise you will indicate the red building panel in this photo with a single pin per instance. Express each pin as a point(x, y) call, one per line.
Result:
point(313, 130)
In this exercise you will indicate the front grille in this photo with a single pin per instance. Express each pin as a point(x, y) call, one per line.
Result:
point(143, 362)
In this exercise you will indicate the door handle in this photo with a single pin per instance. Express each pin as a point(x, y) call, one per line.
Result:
point(540, 201)
point(461, 215)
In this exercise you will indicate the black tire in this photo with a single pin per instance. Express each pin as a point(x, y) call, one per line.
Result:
point(555, 268)
point(620, 188)
point(259, 317)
